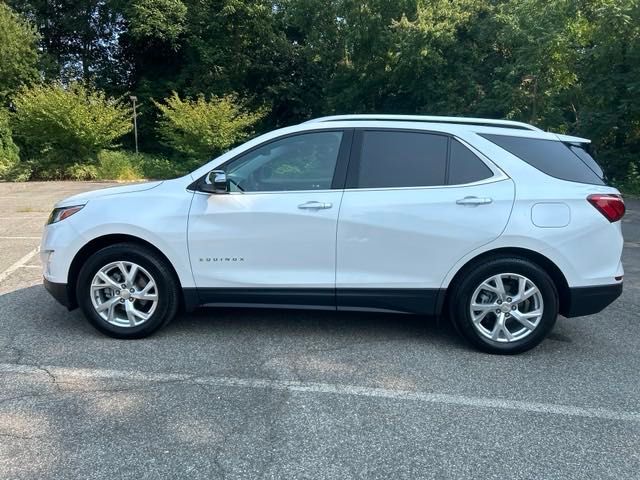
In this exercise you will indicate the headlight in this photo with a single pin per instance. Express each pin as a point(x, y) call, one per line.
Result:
point(61, 213)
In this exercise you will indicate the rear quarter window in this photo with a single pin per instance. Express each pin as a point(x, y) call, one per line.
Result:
point(465, 166)
point(587, 157)
point(549, 156)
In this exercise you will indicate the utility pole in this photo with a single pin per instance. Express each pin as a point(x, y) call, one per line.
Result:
point(135, 120)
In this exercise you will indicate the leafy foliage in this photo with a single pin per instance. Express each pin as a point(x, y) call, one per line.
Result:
point(200, 128)
point(8, 150)
point(123, 165)
point(18, 54)
point(77, 38)
point(118, 165)
point(162, 20)
point(158, 167)
point(61, 127)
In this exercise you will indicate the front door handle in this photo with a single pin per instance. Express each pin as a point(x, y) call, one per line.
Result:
point(315, 205)
point(473, 201)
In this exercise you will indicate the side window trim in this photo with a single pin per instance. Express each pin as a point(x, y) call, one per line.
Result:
point(351, 177)
point(344, 156)
point(339, 174)
point(447, 168)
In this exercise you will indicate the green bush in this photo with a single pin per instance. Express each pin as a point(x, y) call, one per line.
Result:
point(200, 129)
point(79, 171)
point(630, 185)
point(118, 165)
point(126, 166)
point(9, 158)
point(160, 168)
point(59, 128)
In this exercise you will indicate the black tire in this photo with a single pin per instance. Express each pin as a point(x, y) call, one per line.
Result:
point(166, 283)
point(471, 278)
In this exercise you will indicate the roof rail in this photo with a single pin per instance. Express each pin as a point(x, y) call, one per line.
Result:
point(487, 122)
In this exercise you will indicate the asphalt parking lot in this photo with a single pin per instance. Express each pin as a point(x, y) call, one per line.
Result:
point(229, 394)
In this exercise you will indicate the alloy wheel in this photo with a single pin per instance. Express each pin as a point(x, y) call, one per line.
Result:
point(124, 294)
point(506, 307)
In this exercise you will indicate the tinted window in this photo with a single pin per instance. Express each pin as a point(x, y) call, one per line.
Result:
point(549, 156)
point(582, 152)
point(465, 166)
point(400, 159)
point(300, 162)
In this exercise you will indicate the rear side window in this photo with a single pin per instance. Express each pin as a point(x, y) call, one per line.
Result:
point(399, 159)
point(549, 156)
point(465, 166)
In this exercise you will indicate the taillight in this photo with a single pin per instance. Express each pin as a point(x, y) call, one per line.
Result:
point(609, 205)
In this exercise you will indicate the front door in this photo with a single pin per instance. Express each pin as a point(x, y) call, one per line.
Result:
point(272, 239)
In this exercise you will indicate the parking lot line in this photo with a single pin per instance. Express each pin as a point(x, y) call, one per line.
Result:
point(58, 375)
point(18, 238)
point(19, 264)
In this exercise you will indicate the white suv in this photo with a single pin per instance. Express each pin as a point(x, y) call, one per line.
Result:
point(497, 223)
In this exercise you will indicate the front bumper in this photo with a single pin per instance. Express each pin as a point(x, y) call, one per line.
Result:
point(60, 292)
point(590, 300)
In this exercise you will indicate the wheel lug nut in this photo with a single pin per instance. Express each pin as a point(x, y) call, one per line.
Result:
point(131, 290)
point(131, 299)
point(508, 299)
point(499, 302)
point(122, 300)
point(507, 315)
point(513, 307)
point(498, 310)
point(117, 292)
point(123, 286)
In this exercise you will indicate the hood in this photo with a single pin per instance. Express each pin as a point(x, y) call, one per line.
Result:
point(83, 198)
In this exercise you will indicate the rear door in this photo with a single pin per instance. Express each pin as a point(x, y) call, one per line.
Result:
point(415, 202)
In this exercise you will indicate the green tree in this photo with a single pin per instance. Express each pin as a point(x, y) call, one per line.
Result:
point(607, 107)
point(78, 38)
point(200, 129)
point(159, 20)
point(58, 127)
point(8, 150)
point(18, 52)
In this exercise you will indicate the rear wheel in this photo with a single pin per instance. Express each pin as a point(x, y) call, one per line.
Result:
point(127, 291)
point(506, 305)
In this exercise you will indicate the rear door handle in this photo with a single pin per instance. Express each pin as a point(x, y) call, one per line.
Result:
point(315, 205)
point(473, 201)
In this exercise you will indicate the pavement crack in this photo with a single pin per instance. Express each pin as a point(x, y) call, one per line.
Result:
point(53, 378)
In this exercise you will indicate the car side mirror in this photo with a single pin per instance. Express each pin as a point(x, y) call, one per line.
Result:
point(215, 182)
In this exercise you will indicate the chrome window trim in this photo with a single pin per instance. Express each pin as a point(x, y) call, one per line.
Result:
point(486, 181)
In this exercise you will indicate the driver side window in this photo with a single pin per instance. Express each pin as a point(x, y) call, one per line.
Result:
point(299, 162)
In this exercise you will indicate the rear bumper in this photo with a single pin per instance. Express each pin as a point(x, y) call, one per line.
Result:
point(60, 292)
point(590, 300)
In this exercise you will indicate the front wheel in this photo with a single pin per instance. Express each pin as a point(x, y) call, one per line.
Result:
point(127, 291)
point(506, 305)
